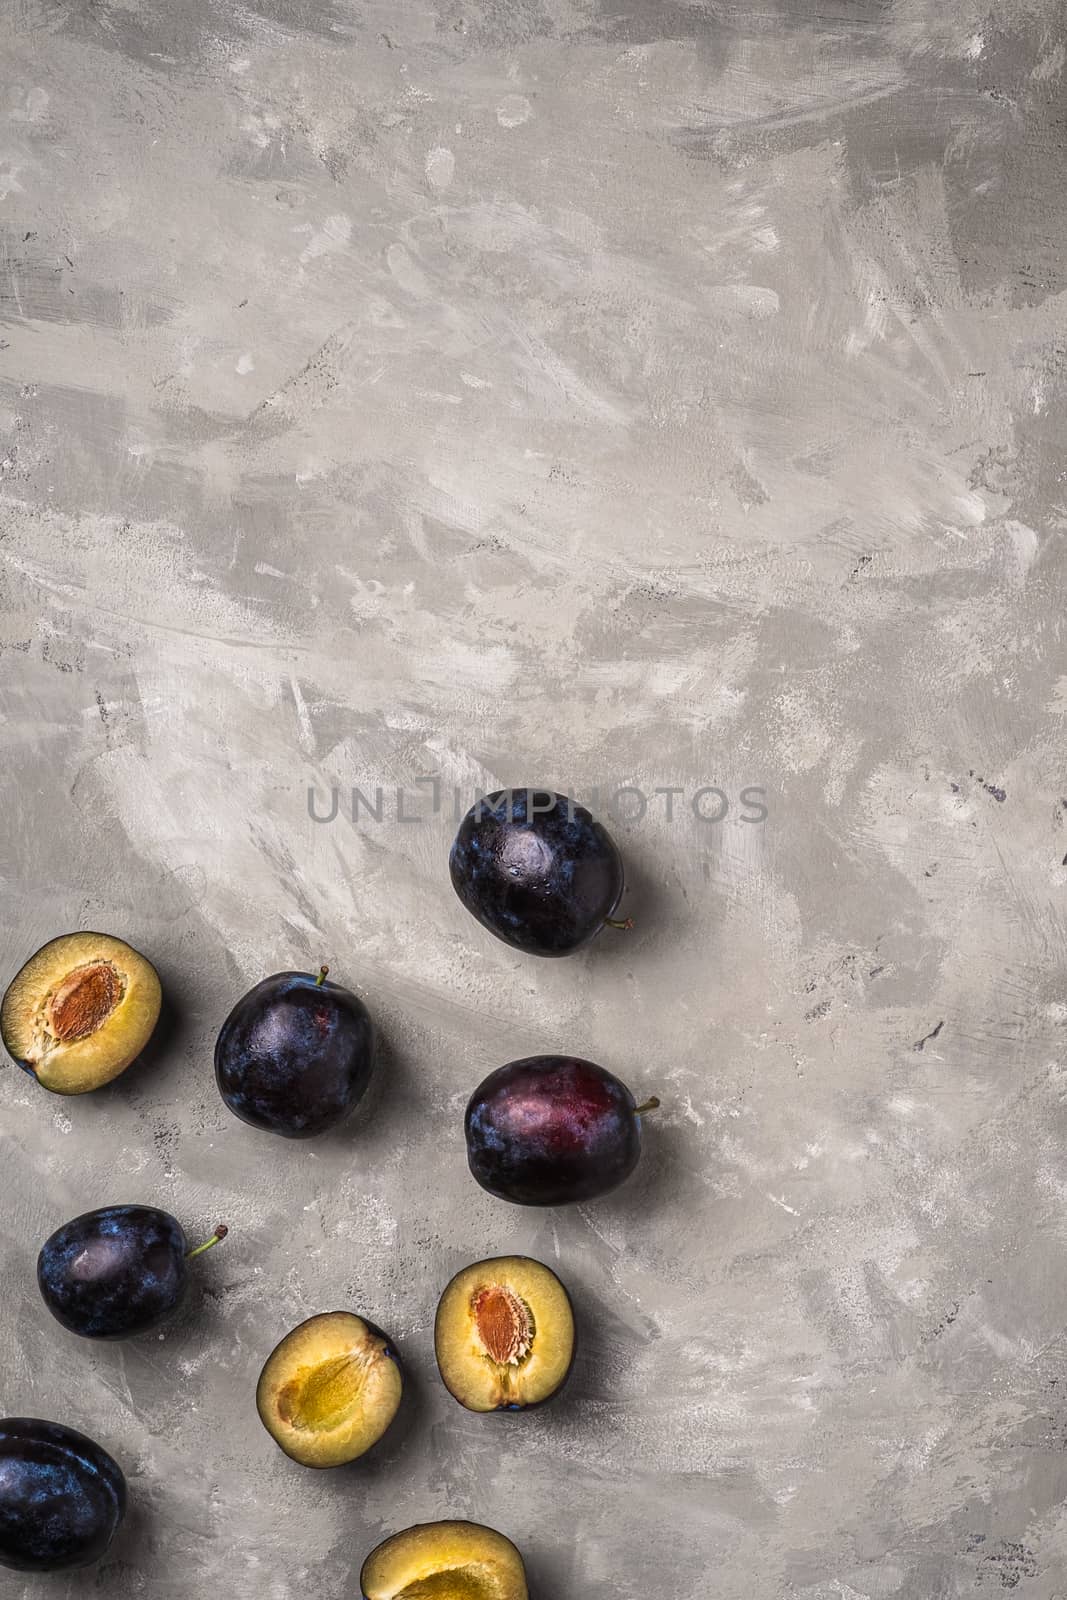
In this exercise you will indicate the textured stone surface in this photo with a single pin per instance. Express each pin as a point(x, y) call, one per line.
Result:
point(575, 392)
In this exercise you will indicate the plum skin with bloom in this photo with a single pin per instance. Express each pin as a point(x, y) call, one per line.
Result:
point(114, 1272)
point(537, 870)
point(295, 1055)
point(552, 1130)
point(62, 1497)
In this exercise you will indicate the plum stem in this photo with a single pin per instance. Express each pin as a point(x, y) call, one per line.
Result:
point(321, 979)
point(216, 1238)
point(651, 1104)
point(624, 923)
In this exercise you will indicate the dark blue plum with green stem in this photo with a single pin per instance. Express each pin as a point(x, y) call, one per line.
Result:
point(537, 870)
point(117, 1271)
point(295, 1055)
point(62, 1497)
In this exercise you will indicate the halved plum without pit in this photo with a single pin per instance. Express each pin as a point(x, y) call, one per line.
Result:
point(330, 1389)
point(445, 1561)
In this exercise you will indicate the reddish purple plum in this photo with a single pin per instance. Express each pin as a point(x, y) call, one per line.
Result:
point(552, 1130)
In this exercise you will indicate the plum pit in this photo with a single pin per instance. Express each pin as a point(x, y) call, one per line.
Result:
point(83, 1001)
point(504, 1324)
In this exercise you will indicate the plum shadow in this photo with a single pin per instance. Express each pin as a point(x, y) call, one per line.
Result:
point(646, 901)
point(546, 1574)
point(656, 1182)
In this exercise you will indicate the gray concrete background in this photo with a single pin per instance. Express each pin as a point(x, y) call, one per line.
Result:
point(566, 391)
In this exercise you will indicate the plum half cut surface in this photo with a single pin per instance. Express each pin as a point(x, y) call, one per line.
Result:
point(117, 1271)
point(537, 870)
point(330, 1389)
point(553, 1130)
point(445, 1561)
point(62, 1497)
point(295, 1055)
point(80, 1011)
point(504, 1335)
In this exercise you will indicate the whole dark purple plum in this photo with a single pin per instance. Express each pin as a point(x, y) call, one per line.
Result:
point(117, 1271)
point(295, 1055)
point(537, 870)
point(551, 1130)
point(62, 1497)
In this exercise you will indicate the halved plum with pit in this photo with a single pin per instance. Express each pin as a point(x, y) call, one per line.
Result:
point(504, 1335)
point(80, 1011)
